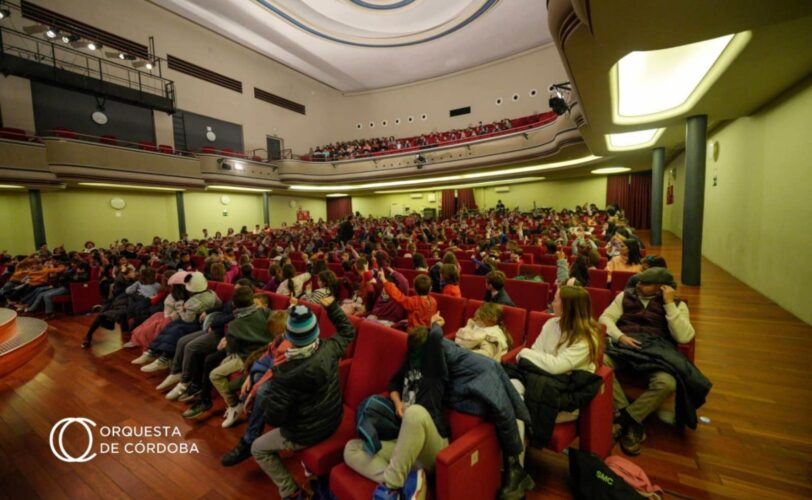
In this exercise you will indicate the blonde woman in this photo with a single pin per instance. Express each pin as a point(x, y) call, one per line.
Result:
point(485, 333)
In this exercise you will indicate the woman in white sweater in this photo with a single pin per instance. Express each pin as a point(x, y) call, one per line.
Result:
point(568, 342)
point(485, 333)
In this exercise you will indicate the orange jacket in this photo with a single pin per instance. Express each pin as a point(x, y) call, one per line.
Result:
point(452, 290)
point(419, 307)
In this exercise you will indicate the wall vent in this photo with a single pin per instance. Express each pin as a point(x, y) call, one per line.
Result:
point(264, 95)
point(460, 111)
point(196, 71)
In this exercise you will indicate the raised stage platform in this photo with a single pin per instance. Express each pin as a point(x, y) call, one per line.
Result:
point(21, 339)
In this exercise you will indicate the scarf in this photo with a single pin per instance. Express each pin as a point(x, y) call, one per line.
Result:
point(301, 352)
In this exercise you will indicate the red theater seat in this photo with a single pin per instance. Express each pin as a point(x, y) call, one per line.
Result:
point(472, 286)
point(619, 280)
point(452, 310)
point(530, 295)
point(165, 148)
point(515, 319)
point(225, 291)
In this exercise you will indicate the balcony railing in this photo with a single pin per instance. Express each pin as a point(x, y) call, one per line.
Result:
point(45, 60)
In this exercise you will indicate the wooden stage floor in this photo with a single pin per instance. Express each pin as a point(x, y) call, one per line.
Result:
point(758, 443)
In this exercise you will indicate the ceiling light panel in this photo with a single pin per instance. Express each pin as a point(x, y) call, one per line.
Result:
point(610, 170)
point(633, 140)
point(657, 84)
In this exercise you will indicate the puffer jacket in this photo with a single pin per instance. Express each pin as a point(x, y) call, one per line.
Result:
point(304, 396)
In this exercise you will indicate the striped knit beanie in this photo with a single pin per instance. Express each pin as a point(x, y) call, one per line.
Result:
point(303, 327)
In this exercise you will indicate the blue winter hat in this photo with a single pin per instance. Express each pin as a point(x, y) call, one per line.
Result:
point(303, 327)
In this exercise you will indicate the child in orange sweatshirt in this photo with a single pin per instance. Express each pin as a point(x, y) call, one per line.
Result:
point(421, 307)
point(451, 278)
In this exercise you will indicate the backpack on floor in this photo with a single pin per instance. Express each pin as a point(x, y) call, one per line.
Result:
point(591, 479)
point(634, 476)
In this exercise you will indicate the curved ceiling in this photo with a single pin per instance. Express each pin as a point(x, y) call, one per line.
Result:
point(357, 45)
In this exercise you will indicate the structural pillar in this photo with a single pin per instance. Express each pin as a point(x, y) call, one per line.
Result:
point(657, 171)
point(266, 208)
point(696, 132)
point(37, 219)
point(181, 213)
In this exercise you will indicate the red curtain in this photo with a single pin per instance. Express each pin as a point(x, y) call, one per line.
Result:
point(339, 208)
point(465, 198)
point(638, 204)
point(617, 190)
point(632, 193)
point(449, 204)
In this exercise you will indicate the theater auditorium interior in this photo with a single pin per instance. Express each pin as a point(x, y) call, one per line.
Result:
point(405, 249)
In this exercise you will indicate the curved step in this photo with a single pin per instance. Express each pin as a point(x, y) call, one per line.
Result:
point(7, 324)
point(27, 338)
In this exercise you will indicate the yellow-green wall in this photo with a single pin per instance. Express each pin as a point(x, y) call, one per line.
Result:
point(557, 194)
point(756, 223)
point(16, 230)
point(74, 216)
point(205, 210)
point(281, 210)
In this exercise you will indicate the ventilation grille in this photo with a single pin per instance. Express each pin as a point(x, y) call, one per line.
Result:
point(274, 99)
point(74, 27)
point(204, 74)
point(460, 111)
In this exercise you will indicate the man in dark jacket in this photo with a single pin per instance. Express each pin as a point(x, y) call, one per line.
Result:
point(495, 289)
point(304, 398)
point(345, 230)
point(645, 324)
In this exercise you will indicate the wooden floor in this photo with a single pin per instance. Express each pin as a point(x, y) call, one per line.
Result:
point(758, 443)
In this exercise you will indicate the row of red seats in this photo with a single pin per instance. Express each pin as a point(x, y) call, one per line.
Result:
point(470, 467)
point(228, 152)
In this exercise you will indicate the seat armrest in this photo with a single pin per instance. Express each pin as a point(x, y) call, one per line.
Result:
point(595, 422)
point(470, 467)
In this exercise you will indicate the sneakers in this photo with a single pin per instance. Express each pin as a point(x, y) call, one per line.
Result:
point(129, 345)
point(233, 414)
point(159, 364)
point(169, 381)
point(198, 409)
point(383, 492)
point(517, 482)
point(415, 486)
point(144, 358)
point(191, 392)
point(177, 391)
point(633, 436)
point(236, 455)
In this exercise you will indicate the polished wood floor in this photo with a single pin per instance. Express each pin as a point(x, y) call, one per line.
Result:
point(758, 443)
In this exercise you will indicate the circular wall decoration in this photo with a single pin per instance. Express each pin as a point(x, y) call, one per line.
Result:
point(424, 117)
point(225, 199)
point(498, 101)
point(384, 123)
point(533, 93)
point(359, 126)
point(397, 121)
point(371, 124)
point(118, 203)
point(210, 135)
point(99, 117)
point(292, 203)
point(515, 97)
point(411, 119)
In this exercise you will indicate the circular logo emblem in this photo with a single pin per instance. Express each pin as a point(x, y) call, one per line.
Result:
point(58, 434)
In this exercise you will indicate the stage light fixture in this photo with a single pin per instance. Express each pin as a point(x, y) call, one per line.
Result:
point(4, 12)
point(93, 45)
point(52, 33)
point(149, 65)
point(66, 38)
point(558, 102)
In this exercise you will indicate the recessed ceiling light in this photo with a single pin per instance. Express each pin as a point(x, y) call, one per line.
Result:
point(656, 84)
point(610, 170)
point(337, 195)
point(449, 178)
point(127, 186)
point(500, 182)
point(633, 140)
point(237, 188)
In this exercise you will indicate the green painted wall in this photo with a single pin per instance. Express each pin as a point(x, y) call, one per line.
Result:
point(205, 210)
point(281, 211)
point(74, 216)
point(16, 230)
point(757, 217)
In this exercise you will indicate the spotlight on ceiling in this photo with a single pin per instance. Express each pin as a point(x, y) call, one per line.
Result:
point(52, 32)
point(148, 65)
point(70, 38)
point(558, 97)
point(93, 45)
point(4, 12)
point(126, 57)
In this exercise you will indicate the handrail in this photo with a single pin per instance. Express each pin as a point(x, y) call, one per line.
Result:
point(110, 141)
point(65, 58)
